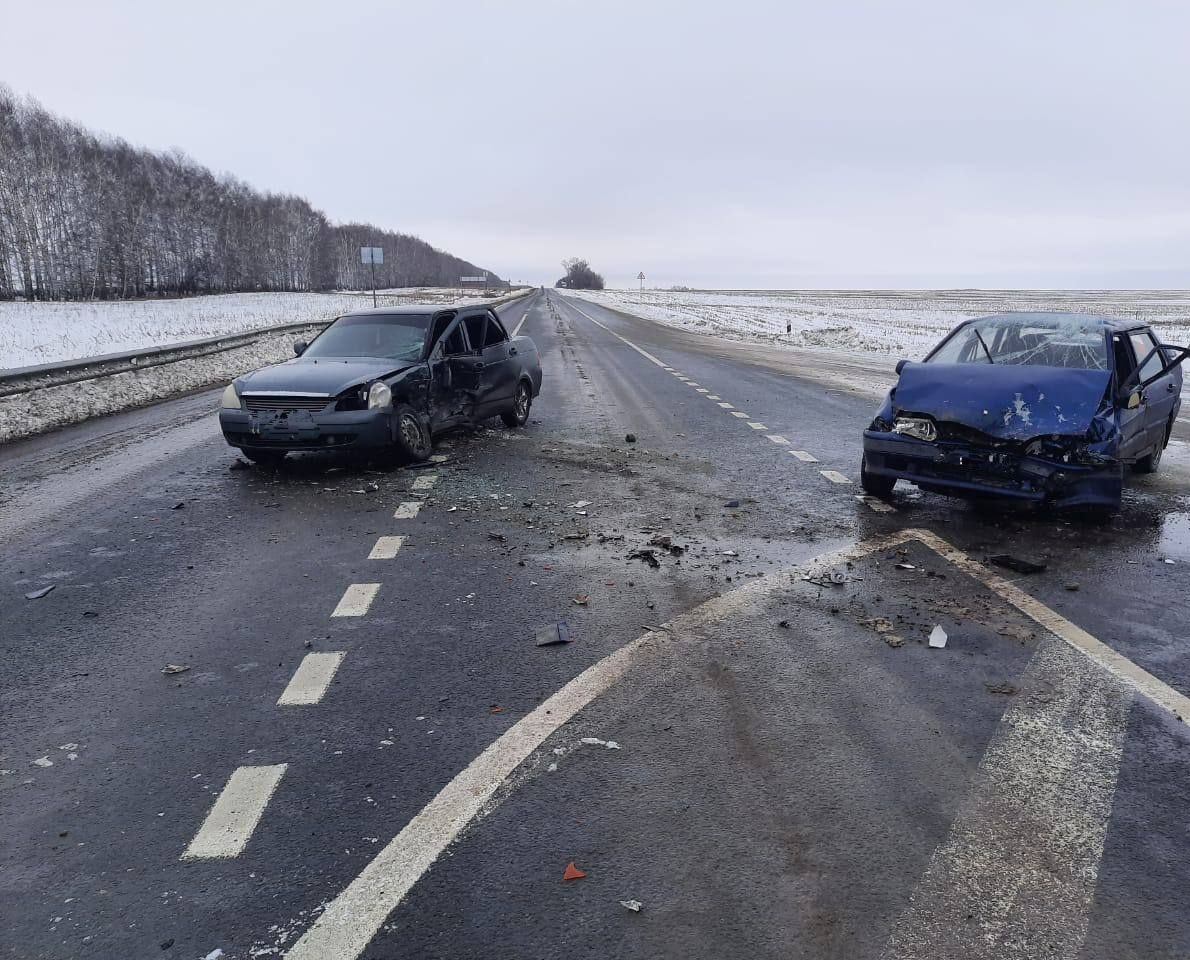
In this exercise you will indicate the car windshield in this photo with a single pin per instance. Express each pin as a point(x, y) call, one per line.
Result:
point(1026, 341)
point(392, 336)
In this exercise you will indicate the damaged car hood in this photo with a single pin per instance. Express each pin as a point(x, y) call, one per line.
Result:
point(1007, 401)
point(327, 375)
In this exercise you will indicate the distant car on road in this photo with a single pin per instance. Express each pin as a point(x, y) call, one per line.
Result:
point(384, 380)
point(1041, 407)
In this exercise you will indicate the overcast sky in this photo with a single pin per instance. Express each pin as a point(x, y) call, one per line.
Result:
point(735, 144)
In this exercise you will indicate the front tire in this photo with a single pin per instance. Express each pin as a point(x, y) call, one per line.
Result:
point(874, 483)
point(411, 434)
point(518, 416)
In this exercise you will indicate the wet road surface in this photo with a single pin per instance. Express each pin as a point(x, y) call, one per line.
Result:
point(368, 755)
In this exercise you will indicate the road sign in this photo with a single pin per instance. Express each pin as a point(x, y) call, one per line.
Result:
point(371, 255)
point(472, 279)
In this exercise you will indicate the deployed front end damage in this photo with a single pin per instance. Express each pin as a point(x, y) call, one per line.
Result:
point(1049, 439)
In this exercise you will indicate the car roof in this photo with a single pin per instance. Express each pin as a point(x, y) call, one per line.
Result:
point(1089, 321)
point(402, 311)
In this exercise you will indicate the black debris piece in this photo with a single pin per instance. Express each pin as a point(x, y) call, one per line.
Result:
point(1009, 562)
point(646, 554)
point(732, 504)
point(553, 634)
point(630, 438)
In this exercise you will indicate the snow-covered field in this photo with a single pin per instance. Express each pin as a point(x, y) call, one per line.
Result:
point(34, 333)
point(883, 322)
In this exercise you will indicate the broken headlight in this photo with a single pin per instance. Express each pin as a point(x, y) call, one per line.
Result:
point(379, 395)
point(231, 399)
point(921, 428)
point(1059, 448)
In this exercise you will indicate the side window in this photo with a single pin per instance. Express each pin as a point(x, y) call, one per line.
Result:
point(454, 344)
point(1125, 363)
point(495, 333)
point(475, 324)
point(1142, 345)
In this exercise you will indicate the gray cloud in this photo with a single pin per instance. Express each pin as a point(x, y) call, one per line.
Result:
point(743, 144)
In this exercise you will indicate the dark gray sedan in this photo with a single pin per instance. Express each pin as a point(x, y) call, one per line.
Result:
point(384, 380)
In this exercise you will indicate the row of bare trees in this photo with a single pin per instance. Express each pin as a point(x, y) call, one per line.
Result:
point(82, 217)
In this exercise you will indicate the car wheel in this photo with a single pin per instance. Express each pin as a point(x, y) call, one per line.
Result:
point(874, 483)
point(518, 416)
point(1152, 462)
point(263, 456)
point(412, 433)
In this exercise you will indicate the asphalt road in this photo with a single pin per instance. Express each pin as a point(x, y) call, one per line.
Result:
point(368, 754)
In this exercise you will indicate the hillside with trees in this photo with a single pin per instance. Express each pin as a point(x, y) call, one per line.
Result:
point(84, 216)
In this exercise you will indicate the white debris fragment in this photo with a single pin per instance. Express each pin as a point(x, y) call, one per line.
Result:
point(69, 746)
point(214, 954)
point(906, 566)
point(582, 504)
point(552, 768)
point(596, 742)
point(938, 637)
point(633, 905)
point(42, 762)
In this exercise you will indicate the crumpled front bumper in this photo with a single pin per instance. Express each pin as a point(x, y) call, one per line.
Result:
point(301, 430)
point(967, 471)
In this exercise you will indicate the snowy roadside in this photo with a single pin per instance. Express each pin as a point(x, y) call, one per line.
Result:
point(37, 333)
point(878, 324)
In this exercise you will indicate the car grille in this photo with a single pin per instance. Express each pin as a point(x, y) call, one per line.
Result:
point(275, 402)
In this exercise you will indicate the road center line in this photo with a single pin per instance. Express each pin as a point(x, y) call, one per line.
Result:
point(310, 681)
point(713, 396)
point(834, 476)
point(520, 323)
point(702, 390)
point(407, 510)
point(356, 600)
point(726, 406)
point(386, 548)
point(757, 426)
point(740, 414)
point(777, 438)
point(803, 456)
point(226, 830)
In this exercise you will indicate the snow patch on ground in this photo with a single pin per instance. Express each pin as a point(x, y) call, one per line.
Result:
point(882, 322)
point(36, 333)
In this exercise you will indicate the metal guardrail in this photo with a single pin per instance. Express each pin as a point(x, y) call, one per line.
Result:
point(24, 379)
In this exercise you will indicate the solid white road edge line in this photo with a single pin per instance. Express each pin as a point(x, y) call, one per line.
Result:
point(344, 930)
point(407, 510)
point(350, 921)
point(310, 681)
point(834, 476)
point(356, 600)
point(226, 830)
point(644, 353)
point(386, 548)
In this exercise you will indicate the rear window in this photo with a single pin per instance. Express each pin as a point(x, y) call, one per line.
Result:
point(1026, 341)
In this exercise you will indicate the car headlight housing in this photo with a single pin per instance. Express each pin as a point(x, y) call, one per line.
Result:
point(379, 395)
point(231, 399)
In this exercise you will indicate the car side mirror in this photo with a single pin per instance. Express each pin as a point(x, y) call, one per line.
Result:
point(300, 347)
point(1133, 400)
point(901, 366)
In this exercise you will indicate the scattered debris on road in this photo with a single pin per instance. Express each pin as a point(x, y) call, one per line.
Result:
point(582, 599)
point(553, 634)
point(665, 542)
point(906, 566)
point(38, 594)
point(171, 669)
point(938, 638)
point(42, 762)
point(572, 872)
point(630, 438)
point(180, 505)
point(633, 905)
point(1016, 564)
point(596, 742)
point(646, 554)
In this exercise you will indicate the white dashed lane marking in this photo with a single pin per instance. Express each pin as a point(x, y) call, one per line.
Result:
point(356, 600)
point(803, 456)
point(740, 414)
point(876, 503)
point(757, 426)
point(386, 548)
point(425, 482)
point(834, 476)
point(713, 396)
point(311, 679)
point(702, 390)
point(439, 458)
point(727, 406)
point(777, 438)
point(238, 809)
point(407, 510)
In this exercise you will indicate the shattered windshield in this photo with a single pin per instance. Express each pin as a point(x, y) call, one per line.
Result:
point(392, 336)
point(1026, 341)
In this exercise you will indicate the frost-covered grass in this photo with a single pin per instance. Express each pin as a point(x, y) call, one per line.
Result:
point(33, 333)
point(883, 322)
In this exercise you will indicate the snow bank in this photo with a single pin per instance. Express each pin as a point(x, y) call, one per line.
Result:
point(888, 323)
point(35, 333)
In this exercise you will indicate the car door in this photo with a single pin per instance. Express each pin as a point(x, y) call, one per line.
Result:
point(500, 363)
point(1131, 419)
point(453, 377)
point(1160, 386)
